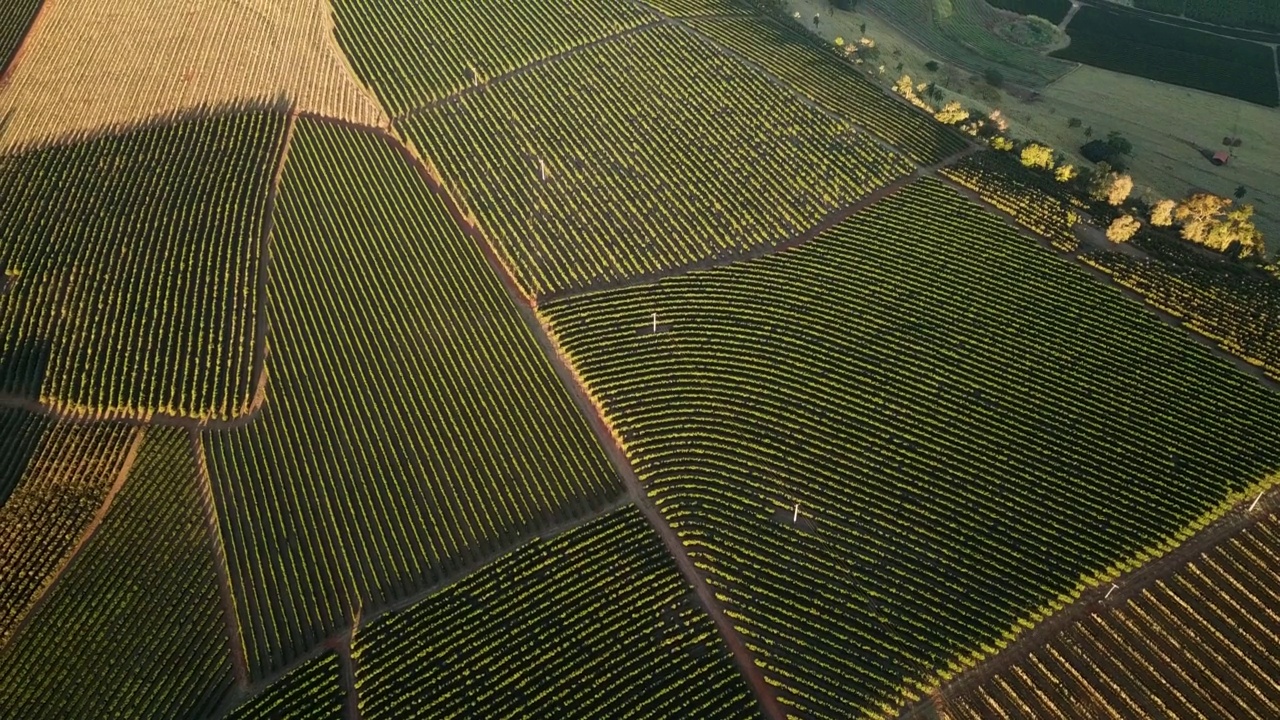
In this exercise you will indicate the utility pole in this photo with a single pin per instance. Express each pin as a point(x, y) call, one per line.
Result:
point(1114, 587)
point(1255, 502)
point(795, 516)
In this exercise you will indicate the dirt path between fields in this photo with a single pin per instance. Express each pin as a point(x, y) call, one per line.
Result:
point(1094, 601)
point(341, 646)
point(226, 594)
point(831, 220)
point(126, 466)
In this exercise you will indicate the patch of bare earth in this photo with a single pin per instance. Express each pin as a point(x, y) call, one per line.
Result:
point(90, 65)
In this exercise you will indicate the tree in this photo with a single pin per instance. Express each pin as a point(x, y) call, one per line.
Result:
point(1198, 213)
point(952, 114)
point(1123, 229)
point(1073, 122)
point(1162, 213)
point(1037, 156)
point(1106, 184)
point(904, 86)
point(1001, 143)
point(1118, 144)
point(1240, 192)
point(931, 66)
point(994, 77)
point(1065, 173)
point(1118, 191)
point(1236, 228)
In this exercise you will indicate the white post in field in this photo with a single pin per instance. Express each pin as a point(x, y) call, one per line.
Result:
point(1114, 587)
point(542, 169)
point(795, 516)
point(655, 323)
point(1255, 502)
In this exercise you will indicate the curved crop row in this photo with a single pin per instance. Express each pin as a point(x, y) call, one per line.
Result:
point(643, 155)
point(131, 266)
point(20, 434)
point(412, 53)
point(311, 691)
point(412, 426)
point(971, 429)
point(592, 623)
point(63, 487)
point(134, 628)
point(816, 72)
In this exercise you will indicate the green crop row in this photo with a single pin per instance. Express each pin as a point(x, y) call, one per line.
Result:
point(20, 434)
point(1000, 180)
point(695, 8)
point(816, 72)
point(312, 691)
point(970, 426)
point(63, 487)
point(1235, 305)
point(131, 265)
point(642, 155)
point(413, 427)
point(134, 628)
point(15, 19)
point(412, 53)
point(593, 623)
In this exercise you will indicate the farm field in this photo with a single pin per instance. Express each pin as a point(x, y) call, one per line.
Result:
point(946, 465)
point(64, 486)
point(386, 41)
point(1196, 644)
point(636, 163)
point(1002, 181)
point(1136, 45)
point(413, 428)
point(20, 435)
point(812, 70)
point(1234, 13)
point(312, 691)
point(112, 314)
point(593, 622)
point(92, 67)
point(139, 604)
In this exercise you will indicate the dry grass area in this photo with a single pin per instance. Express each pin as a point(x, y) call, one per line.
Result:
point(92, 64)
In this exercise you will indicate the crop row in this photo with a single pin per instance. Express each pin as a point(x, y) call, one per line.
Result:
point(1249, 14)
point(592, 623)
point(15, 18)
point(815, 71)
point(642, 155)
point(1235, 305)
point(1001, 181)
point(412, 53)
point(20, 434)
point(1136, 45)
point(133, 629)
point(968, 425)
point(62, 488)
point(132, 268)
point(311, 691)
point(1199, 644)
point(695, 8)
point(412, 427)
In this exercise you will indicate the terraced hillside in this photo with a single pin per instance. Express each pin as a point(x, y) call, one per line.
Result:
point(972, 431)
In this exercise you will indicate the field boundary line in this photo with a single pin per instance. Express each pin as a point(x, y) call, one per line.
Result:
point(341, 646)
point(1231, 522)
point(261, 348)
point(426, 107)
point(126, 467)
point(367, 615)
point(18, 53)
point(830, 220)
point(226, 594)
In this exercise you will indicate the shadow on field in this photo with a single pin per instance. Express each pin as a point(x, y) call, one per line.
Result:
point(281, 103)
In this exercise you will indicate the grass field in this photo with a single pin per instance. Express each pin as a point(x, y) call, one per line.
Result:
point(593, 622)
point(94, 65)
point(112, 312)
point(139, 604)
point(969, 426)
point(1197, 644)
point(413, 428)
point(1179, 56)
